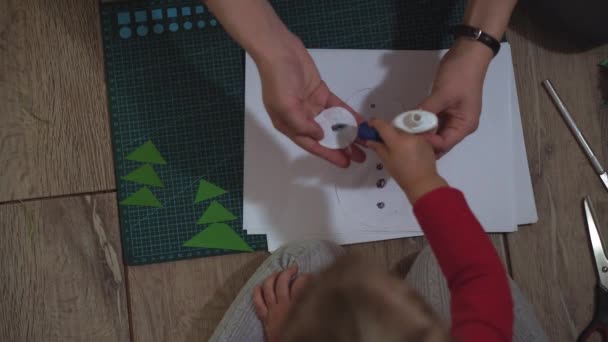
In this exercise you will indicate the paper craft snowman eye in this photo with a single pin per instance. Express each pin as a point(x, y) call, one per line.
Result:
point(339, 127)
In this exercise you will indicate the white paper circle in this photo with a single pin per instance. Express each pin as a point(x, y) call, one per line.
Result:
point(337, 138)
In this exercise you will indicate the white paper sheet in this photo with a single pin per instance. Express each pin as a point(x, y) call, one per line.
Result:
point(525, 206)
point(473, 165)
point(291, 195)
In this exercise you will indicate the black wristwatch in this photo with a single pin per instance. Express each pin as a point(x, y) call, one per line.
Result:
point(478, 35)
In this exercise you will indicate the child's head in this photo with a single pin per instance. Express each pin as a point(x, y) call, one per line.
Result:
point(355, 301)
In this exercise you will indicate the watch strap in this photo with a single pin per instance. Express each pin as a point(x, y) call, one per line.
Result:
point(477, 34)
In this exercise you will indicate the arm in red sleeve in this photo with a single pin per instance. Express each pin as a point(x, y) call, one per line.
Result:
point(481, 303)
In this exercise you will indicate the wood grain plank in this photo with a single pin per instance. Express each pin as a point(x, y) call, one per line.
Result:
point(550, 260)
point(61, 271)
point(185, 300)
point(54, 131)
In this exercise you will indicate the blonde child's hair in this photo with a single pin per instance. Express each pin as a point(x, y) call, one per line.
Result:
point(354, 301)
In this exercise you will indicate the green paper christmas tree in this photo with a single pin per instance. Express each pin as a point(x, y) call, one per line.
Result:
point(144, 175)
point(207, 191)
point(143, 197)
point(217, 235)
point(147, 153)
point(216, 213)
point(220, 236)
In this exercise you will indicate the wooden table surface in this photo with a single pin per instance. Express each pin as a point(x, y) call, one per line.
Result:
point(61, 272)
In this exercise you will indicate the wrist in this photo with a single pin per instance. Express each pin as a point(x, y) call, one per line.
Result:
point(423, 186)
point(282, 44)
point(472, 51)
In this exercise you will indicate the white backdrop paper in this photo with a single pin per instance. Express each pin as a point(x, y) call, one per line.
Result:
point(289, 194)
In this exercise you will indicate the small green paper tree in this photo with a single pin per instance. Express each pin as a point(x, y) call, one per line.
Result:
point(218, 234)
point(145, 174)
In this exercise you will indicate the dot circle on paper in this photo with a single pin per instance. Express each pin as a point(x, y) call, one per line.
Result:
point(142, 30)
point(200, 23)
point(158, 28)
point(331, 118)
point(173, 27)
point(187, 25)
point(125, 32)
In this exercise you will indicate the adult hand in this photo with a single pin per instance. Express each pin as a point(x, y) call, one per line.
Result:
point(456, 94)
point(408, 158)
point(294, 94)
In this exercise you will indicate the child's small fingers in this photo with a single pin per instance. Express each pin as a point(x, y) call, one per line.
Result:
point(268, 289)
point(387, 132)
point(258, 303)
point(379, 148)
point(283, 283)
point(357, 154)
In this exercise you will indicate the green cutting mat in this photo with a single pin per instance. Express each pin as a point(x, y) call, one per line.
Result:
point(174, 77)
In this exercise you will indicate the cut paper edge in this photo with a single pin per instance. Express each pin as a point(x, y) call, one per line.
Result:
point(207, 190)
point(219, 236)
point(147, 153)
point(144, 175)
point(216, 213)
point(142, 197)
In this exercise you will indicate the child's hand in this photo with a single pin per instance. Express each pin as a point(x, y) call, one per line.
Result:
point(273, 298)
point(410, 159)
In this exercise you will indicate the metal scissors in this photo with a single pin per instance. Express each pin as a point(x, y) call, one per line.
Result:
point(599, 323)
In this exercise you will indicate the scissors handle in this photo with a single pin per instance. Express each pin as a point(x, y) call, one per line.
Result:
point(599, 323)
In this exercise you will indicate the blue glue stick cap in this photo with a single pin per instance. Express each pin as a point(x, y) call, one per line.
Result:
point(365, 132)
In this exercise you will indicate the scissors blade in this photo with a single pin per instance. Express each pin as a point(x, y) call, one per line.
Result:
point(601, 262)
point(604, 178)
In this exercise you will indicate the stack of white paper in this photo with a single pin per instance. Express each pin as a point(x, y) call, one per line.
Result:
point(291, 195)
